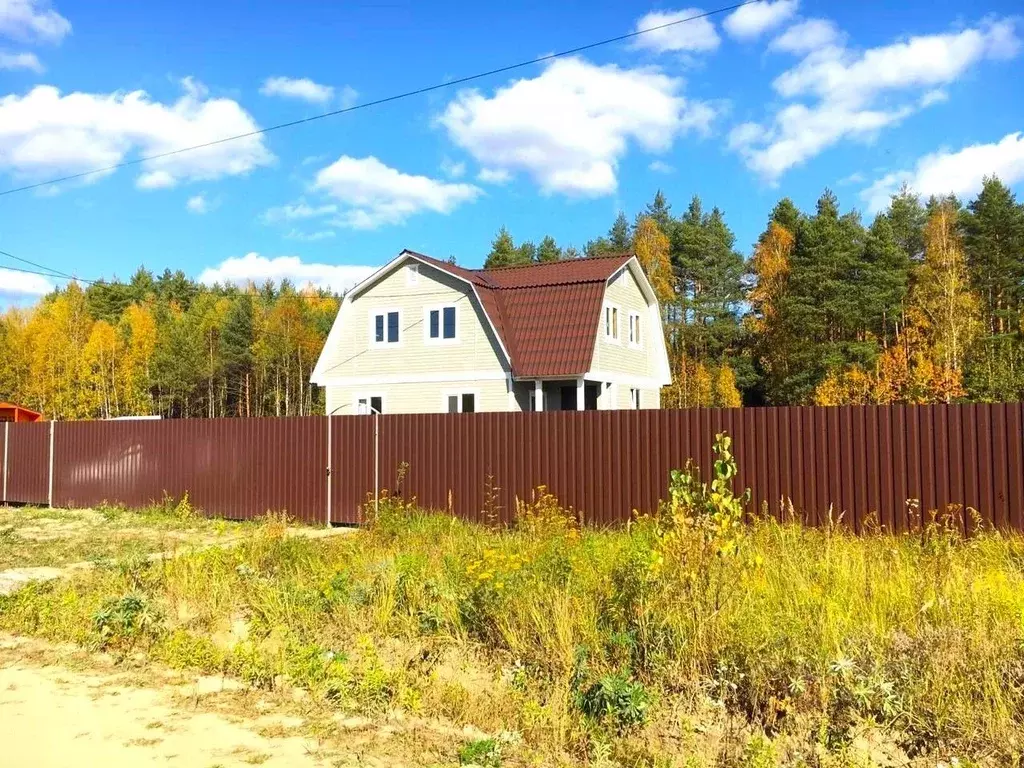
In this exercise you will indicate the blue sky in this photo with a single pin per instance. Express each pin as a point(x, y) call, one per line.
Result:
point(782, 98)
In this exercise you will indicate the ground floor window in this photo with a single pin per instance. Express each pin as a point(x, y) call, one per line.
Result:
point(461, 402)
point(367, 404)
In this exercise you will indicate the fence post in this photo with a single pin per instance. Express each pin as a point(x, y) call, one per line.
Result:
point(7, 439)
point(328, 471)
point(49, 495)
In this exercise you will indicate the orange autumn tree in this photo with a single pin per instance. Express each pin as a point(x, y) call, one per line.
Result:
point(651, 247)
point(771, 265)
point(925, 365)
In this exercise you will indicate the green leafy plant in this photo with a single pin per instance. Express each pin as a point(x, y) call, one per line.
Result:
point(485, 753)
point(616, 699)
point(125, 620)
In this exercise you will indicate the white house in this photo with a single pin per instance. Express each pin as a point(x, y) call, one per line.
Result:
point(421, 335)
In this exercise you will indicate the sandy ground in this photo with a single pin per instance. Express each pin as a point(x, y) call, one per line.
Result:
point(53, 716)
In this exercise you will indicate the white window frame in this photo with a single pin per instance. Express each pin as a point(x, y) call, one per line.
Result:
point(439, 308)
point(635, 331)
point(367, 396)
point(412, 274)
point(635, 398)
point(374, 314)
point(616, 310)
point(445, 394)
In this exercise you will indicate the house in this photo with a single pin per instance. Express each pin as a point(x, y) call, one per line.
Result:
point(422, 335)
point(17, 413)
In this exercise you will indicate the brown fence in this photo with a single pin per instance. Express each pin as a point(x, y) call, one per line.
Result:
point(860, 462)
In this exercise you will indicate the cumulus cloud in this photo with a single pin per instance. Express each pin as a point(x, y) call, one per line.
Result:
point(297, 88)
point(27, 61)
point(846, 89)
point(20, 285)
point(660, 167)
point(47, 133)
point(960, 173)
point(809, 35)
point(494, 176)
point(452, 169)
point(687, 34)
point(569, 127)
point(257, 269)
point(373, 194)
point(751, 21)
point(32, 20)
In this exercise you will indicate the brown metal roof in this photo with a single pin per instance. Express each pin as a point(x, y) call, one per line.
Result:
point(546, 315)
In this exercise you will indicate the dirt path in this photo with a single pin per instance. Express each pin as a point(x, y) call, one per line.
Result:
point(52, 716)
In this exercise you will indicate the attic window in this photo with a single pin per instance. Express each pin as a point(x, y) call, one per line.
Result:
point(441, 325)
point(412, 274)
point(611, 322)
point(385, 327)
point(634, 329)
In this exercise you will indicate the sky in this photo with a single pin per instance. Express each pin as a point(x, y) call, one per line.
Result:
point(778, 98)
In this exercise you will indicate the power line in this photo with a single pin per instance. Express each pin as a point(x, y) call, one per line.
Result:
point(385, 100)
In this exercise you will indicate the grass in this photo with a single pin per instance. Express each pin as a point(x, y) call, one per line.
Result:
point(685, 639)
point(57, 537)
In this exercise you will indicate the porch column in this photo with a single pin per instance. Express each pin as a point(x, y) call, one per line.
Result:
point(581, 391)
point(538, 395)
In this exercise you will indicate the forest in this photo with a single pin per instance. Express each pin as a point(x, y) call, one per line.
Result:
point(922, 305)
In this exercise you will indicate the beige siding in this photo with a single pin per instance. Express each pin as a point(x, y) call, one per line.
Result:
point(421, 398)
point(475, 349)
point(649, 398)
point(619, 356)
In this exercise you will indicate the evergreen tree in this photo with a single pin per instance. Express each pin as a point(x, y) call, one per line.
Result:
point(619, 237)
point(907, 219)
point(548, 250)
point(236, 353)
point(504, 252)
point(659, 210)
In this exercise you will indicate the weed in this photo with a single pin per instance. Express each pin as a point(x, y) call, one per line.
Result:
point(126, 620)
point(482, 753)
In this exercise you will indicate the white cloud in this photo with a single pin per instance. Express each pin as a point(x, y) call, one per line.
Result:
point(32, 20)
point(452, 169)
point(960, 173)
point(296, 211)
point(198, 204)
point(20, 285)
point(20, 61)
point(846, 90)
point(348, 96)
point(936, 96)
point(659, 167)
point(297, 88)
point(494, 176)
point(374, 194)
point(693, 36)
point(750, 21)
point(45, 133)
point(257, 269)
point(807, 36)
point(569, 127)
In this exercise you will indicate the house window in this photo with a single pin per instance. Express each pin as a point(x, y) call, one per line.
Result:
point(634, 399)
point(412, 274)
point(461, 402)
point(367, 404)
point(611, 322)
point(634, 329)
point(386, 327)
point(441, 324)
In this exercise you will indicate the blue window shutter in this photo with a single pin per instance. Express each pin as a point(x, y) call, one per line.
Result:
point(392, 327)
point(449, 322)
point(435, 322)
point(379, 328)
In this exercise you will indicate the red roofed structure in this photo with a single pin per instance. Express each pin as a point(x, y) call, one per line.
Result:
point(17, 413)
point(586, 325)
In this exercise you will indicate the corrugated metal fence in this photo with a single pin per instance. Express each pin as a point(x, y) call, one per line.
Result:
point(862, 462)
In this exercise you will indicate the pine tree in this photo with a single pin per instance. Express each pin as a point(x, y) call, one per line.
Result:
point(236, 343)
point(907, 219)
point(619, 236)
point(548, 250)
point(503, 252)
point(659, 210)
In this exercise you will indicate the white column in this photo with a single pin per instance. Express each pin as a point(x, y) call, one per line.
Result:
point(581, 390)
point(538, 395)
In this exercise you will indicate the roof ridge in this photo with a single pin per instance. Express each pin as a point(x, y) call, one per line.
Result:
point(620, 255)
